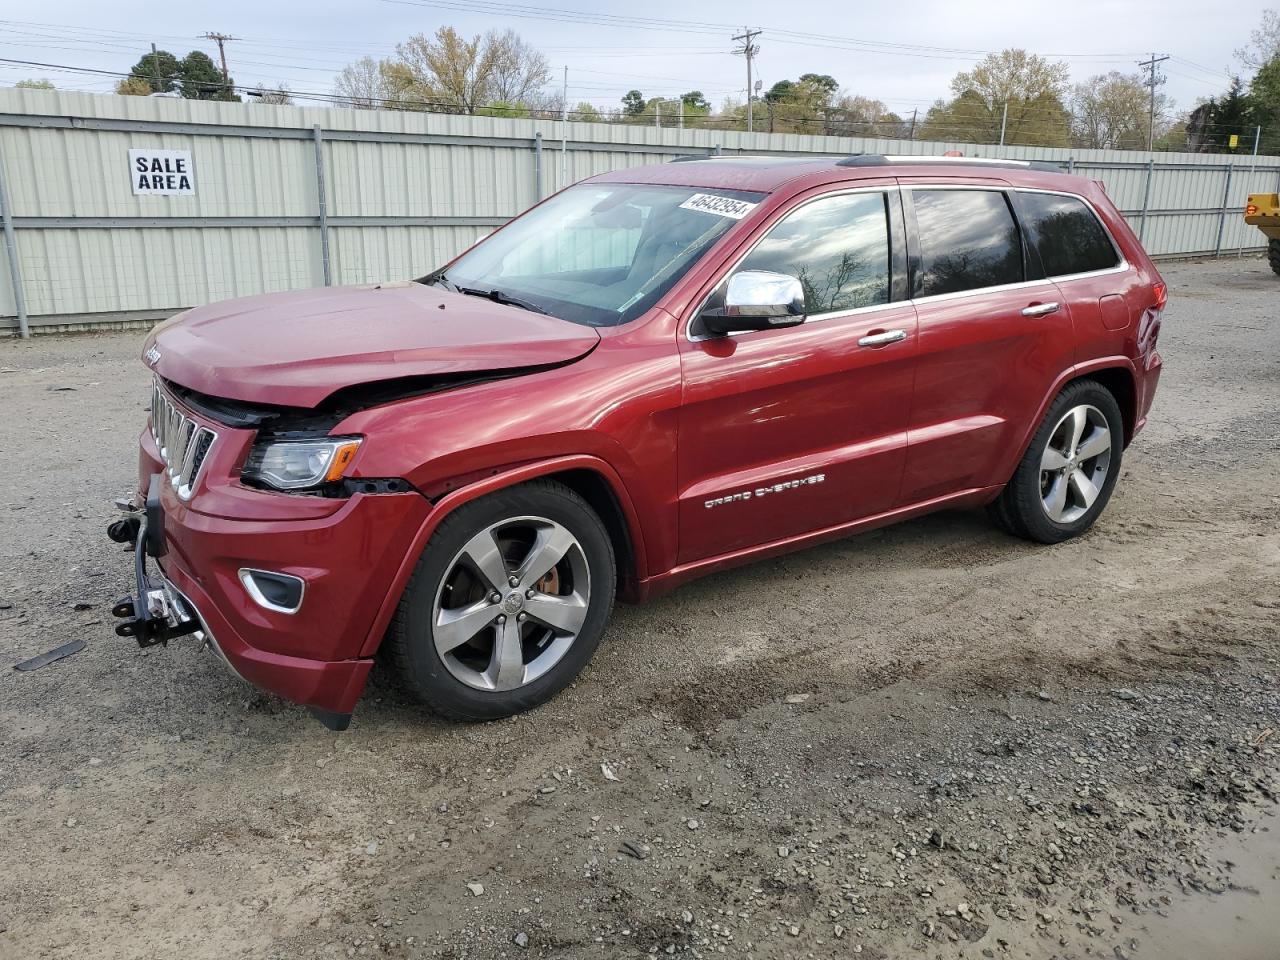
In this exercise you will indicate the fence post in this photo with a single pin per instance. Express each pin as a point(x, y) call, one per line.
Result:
point(1071, 165)
point(537, 165)
point(11, 247)
point(1146, 199)
point(318, 138)
point(1222, 217)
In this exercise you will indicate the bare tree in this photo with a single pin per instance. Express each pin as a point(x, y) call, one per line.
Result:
point(1264, 41)
point(519, 71)
point(1111, 111)
point(363, 85)
point(446, 70)
point(279, 96)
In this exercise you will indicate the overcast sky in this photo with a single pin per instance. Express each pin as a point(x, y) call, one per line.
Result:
point(902, 53)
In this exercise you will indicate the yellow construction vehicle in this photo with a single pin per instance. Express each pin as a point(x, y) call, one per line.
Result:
point(1263, 211)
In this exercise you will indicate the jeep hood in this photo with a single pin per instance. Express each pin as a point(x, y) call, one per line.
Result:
point(296, 349)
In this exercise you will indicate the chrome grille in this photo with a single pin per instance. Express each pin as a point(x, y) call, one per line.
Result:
point(183, 444)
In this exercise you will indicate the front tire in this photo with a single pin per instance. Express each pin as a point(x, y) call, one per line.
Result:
point(507, 604)
point(1273, 255)
point(1065, 479)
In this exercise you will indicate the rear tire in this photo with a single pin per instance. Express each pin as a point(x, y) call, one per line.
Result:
point(507, 604)
point(1273, 255)
point(1065, 478)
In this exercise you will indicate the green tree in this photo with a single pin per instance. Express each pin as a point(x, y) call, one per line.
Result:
point(1030, 87)
point(587, 112)
point(200, 79)
point(1264, 99)
point(695, 101)
point(161, 71)
point(800, 106)
point(35, 85)
point(633, 103)
point(1220, 117)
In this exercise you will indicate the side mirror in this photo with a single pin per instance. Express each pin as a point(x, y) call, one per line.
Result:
point(757, 300)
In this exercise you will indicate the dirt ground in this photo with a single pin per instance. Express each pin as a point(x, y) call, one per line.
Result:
point(931, 740)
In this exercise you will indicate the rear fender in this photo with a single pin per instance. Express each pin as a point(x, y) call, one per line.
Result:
point(1075, 373)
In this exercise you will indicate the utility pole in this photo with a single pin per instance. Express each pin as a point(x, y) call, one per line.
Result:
point(1153, 80)
point(749, 50)
point(220, 39)
point(1004, 121)
point(155, 65)
point(564, 130)
point(912, 134)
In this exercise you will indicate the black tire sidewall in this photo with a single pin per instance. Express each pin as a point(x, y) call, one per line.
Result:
point(424, 672)
point(1023, 498)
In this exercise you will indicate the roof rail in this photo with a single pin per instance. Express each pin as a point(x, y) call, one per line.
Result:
point(880, 160)
point(686, 157)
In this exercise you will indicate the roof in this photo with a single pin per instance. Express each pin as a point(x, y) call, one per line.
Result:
point(765, 174)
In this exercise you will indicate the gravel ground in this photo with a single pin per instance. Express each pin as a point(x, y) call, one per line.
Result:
point(930, 740)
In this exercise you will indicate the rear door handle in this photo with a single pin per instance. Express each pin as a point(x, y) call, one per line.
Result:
point(881, 339)
point(1041, 309)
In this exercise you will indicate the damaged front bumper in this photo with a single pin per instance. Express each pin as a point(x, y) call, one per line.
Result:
point(170, 602)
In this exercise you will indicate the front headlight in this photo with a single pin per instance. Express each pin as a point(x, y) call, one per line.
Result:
point(300, 464)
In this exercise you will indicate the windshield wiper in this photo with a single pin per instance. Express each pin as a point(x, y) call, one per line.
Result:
point(439, 280)
point(497, 296)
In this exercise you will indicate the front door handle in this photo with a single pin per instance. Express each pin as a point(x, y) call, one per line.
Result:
point(1041, 309)
point(881, 339)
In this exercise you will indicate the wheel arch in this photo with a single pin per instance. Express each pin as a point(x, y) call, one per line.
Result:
point(590, 477)
point(1121, 384)
point(1116, 374)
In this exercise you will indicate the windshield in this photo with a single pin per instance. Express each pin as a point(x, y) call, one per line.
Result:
point(598, 254)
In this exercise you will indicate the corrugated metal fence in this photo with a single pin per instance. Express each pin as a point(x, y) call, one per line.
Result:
point(288, 197)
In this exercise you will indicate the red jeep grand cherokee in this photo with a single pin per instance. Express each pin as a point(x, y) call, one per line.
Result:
point(654, 374)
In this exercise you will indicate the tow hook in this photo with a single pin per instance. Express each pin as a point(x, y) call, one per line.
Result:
point(147, 615)
point(154, 625)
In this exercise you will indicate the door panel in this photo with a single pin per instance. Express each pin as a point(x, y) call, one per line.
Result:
point(786, 431)
point(991, 343)
point(983, 369)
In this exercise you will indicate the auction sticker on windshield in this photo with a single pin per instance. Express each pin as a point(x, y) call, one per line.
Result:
point(720, 206)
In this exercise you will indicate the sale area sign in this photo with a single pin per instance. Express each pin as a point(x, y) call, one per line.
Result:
point(162, 172)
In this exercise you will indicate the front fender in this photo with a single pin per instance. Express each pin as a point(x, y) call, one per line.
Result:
point(498, 480)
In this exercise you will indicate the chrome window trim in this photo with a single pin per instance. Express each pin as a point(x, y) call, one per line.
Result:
point(256, 594)
point(1120, 267)
point(815, 318)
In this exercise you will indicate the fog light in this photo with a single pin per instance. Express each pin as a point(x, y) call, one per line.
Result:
point(280, 592)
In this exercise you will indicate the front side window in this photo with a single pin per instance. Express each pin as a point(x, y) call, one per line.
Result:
point(599, 254)
point(968, 240)
point(1066, 234)
point(838, 248)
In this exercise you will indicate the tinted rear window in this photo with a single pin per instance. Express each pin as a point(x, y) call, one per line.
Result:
point(968, 240)
point(1066, 233)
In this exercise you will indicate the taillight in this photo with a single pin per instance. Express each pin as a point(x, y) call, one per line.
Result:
point(1162, 295)
point(1251, 210)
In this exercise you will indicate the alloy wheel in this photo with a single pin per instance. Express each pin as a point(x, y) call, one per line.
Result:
point(511, 603)
point(1074, 464)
